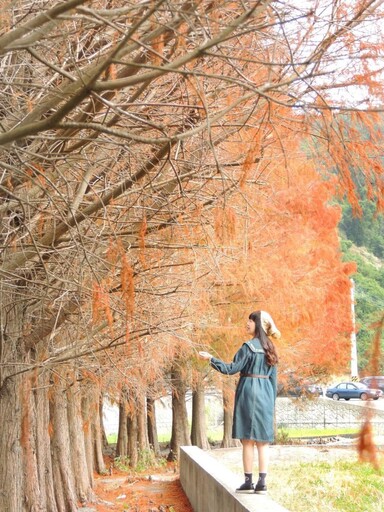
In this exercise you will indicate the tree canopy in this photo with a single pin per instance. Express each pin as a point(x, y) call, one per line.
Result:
point(164, 165)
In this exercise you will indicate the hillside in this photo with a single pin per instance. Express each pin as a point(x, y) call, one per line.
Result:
point(369, 297)
point(362, 241)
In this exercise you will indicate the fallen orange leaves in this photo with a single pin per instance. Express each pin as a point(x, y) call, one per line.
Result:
point(144, 492)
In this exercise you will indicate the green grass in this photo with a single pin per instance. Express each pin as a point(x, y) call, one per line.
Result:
point(323, 486)
point(340, 486)
point(112, 438)
point(314, 432)
point(289, 433)
point(165, 437)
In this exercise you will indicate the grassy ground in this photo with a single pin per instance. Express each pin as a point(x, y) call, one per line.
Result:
point(294, 433)
point(318, 485)
point(343, 486)
point(289, 433)
point(326, 483)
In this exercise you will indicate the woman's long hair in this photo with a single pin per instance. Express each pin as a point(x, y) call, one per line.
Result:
point(266, 343)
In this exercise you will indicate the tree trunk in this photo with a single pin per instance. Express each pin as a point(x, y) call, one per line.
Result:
point(122, 436)
point(44, 465)
point(198, 430)
point(61, 456)
point(180, 430)
point(104, 438)
point(84, 479)
point(133, 452)
point(87, 428)
point(152, 427)
point(141, 413)
point(43, 444)
point(13, 413)
point(12, 475)
point(97, 433)
point(228, 441)
point(132, 441)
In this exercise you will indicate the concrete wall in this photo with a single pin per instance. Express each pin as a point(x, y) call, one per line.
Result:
point(210, 486)
point(290, 412)
point(323, 413)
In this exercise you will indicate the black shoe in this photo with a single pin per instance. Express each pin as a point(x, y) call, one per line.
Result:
point(260, 489)
point(245, 488)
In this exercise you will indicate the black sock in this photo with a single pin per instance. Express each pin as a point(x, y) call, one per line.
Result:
point(248, 478)
point(262, 477)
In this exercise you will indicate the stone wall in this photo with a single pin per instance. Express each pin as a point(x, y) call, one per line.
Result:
point(323, 413)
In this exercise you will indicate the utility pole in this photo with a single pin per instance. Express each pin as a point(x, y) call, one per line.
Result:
point(354, 370)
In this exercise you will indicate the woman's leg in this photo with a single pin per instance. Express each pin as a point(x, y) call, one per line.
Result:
point(248, 454)
point(263, 455)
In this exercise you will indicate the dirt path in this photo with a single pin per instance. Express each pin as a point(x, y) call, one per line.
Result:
point(152, 491)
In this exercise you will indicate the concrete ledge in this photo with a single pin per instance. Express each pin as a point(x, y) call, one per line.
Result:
point(210, 486)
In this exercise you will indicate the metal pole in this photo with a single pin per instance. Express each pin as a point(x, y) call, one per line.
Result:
point(354, 370)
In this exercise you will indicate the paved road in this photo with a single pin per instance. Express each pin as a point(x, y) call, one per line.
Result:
point(375, 404)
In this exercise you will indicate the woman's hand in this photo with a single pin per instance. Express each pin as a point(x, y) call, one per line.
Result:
point(205, 355)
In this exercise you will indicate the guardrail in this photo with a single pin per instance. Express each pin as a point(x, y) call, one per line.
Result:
point(323, 413)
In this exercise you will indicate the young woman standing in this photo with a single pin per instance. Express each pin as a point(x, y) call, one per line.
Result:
point(253, 418)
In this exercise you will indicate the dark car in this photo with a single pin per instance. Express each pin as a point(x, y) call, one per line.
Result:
point(349, 390)
point(374, 382)
point(297, 388)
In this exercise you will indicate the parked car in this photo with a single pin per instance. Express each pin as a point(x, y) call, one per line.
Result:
point(349, 390)
point(314, 389)
point(297, 388)
point(374, 382)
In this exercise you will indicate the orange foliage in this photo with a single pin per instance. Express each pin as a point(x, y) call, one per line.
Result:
point(352, 143)
point(100, 304)
point(96, 302)
point(225, 224)
point(110, 72)
point(158, 47)
point(127, 284)
point(286, 260)
point(311, 287)
point(249, 161)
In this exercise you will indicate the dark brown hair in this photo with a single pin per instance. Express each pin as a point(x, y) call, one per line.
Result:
point(266, 343)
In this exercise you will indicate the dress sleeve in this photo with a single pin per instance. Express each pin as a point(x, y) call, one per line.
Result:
point(236, 366)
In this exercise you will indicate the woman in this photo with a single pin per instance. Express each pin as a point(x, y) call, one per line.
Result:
point(253, 418)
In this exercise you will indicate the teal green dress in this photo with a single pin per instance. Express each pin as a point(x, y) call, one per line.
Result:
point(254, 409)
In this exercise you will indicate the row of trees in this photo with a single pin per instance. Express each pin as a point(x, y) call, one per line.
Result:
point(166, 168)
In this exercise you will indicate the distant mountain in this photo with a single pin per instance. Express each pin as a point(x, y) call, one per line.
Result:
point(365, 231)
point(369, 297)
